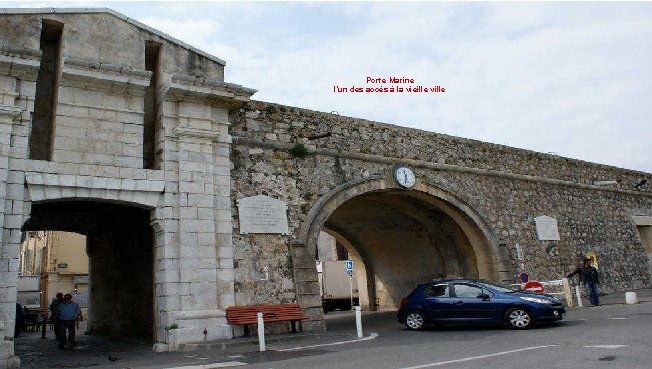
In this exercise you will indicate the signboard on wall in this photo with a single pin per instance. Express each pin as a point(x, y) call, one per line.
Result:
point(547, 228)
point(262, 214)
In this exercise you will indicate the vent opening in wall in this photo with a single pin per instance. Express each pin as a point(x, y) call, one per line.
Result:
point(150, 138)
point(47, 84)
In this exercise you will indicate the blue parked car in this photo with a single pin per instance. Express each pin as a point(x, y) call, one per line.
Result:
point(476, 301)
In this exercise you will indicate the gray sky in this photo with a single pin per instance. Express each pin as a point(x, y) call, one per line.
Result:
point(572, 79)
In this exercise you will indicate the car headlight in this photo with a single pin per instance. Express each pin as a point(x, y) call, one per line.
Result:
point(536, 299)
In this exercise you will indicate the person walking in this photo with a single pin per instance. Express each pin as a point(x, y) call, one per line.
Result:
point(68, 313)
point(54, 313)
point(591, 280)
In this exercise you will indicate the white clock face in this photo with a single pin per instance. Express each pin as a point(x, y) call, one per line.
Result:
point(405, 177)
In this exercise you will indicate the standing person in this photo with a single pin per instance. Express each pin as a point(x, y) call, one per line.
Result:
point(20, 320)
point(54, 313)
point(589, 276)
point(68, 313)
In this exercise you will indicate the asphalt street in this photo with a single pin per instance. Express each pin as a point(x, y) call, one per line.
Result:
point(614, 335)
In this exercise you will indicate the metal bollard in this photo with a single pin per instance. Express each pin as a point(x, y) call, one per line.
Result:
point(358, 321)
point(261, 332)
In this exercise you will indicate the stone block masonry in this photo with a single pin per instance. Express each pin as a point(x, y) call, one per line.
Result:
point(170, 233)
point(165, 246)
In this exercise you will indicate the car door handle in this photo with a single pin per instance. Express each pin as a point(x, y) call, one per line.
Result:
point(459, 303)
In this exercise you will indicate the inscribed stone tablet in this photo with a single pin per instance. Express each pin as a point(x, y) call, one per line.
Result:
point(262, 214)
point(547, 228)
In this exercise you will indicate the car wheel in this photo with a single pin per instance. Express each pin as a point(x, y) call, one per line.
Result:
point(414, 321)
point(518, 318)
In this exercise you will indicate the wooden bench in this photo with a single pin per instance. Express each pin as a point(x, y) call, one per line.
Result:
point(248, 315)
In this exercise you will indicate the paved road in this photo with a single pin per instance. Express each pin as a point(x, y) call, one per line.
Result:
point(602, 337)
point(610, 336)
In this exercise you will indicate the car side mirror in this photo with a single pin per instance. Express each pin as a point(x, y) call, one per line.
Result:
point(483, 296)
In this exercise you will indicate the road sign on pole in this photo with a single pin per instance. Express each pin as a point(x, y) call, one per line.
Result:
point(349, 271)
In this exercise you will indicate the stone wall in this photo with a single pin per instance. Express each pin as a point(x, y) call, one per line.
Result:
point(509, 187)
point(97, 155)
point(210, 154)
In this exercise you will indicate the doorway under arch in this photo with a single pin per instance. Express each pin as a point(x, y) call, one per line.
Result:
point(121, 258)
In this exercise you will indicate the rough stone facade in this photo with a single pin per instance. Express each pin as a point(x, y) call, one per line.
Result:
point(150, 149)
point(506, 187)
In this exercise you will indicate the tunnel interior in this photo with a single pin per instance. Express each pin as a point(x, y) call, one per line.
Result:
point(398, 240)
point(120, 250)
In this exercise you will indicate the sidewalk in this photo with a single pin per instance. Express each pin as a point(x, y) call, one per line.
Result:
point(618, 298)
point(114, 353)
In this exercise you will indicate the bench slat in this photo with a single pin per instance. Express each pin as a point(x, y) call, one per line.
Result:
point(246, 315)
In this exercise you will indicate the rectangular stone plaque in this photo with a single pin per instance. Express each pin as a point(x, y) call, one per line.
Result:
point(547, 228)
point(262, 214)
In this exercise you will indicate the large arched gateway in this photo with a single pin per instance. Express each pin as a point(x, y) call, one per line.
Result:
point(194, 198)
point(400, 237)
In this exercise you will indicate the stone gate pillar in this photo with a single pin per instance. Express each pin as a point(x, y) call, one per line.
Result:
point(17, 86)
point(194, 277)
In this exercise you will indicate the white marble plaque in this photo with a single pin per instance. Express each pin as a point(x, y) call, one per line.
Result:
point(262, 214)
point(547, 228)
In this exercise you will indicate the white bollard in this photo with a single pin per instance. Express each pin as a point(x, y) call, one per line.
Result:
point(358, 321)
point(261, 332)
point(579, 298)
point(630, 298)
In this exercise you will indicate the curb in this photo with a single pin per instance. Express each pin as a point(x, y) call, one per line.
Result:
point(225, 345)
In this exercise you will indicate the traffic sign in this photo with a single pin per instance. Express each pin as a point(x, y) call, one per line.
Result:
point(534, 287)
point(349, 265)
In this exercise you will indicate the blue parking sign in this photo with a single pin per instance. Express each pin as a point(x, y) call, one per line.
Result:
point(349, 265)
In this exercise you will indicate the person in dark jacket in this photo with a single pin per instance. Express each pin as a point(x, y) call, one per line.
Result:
point(589, 277)
point(54, 313)
point(20, 320)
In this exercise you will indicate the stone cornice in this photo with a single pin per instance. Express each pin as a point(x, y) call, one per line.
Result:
point(207, 82)
point(245, 141)
point(84, 74)
point(201, 134)
point(229, 94)
point(105, 67)
point(18, 67)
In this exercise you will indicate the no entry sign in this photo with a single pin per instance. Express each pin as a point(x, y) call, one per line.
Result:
point(534, 287)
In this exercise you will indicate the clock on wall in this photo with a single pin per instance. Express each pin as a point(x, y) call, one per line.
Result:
point(404, 176)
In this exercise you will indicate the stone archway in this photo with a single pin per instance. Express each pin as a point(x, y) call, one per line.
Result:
point(121, 254)
point(404, 237)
